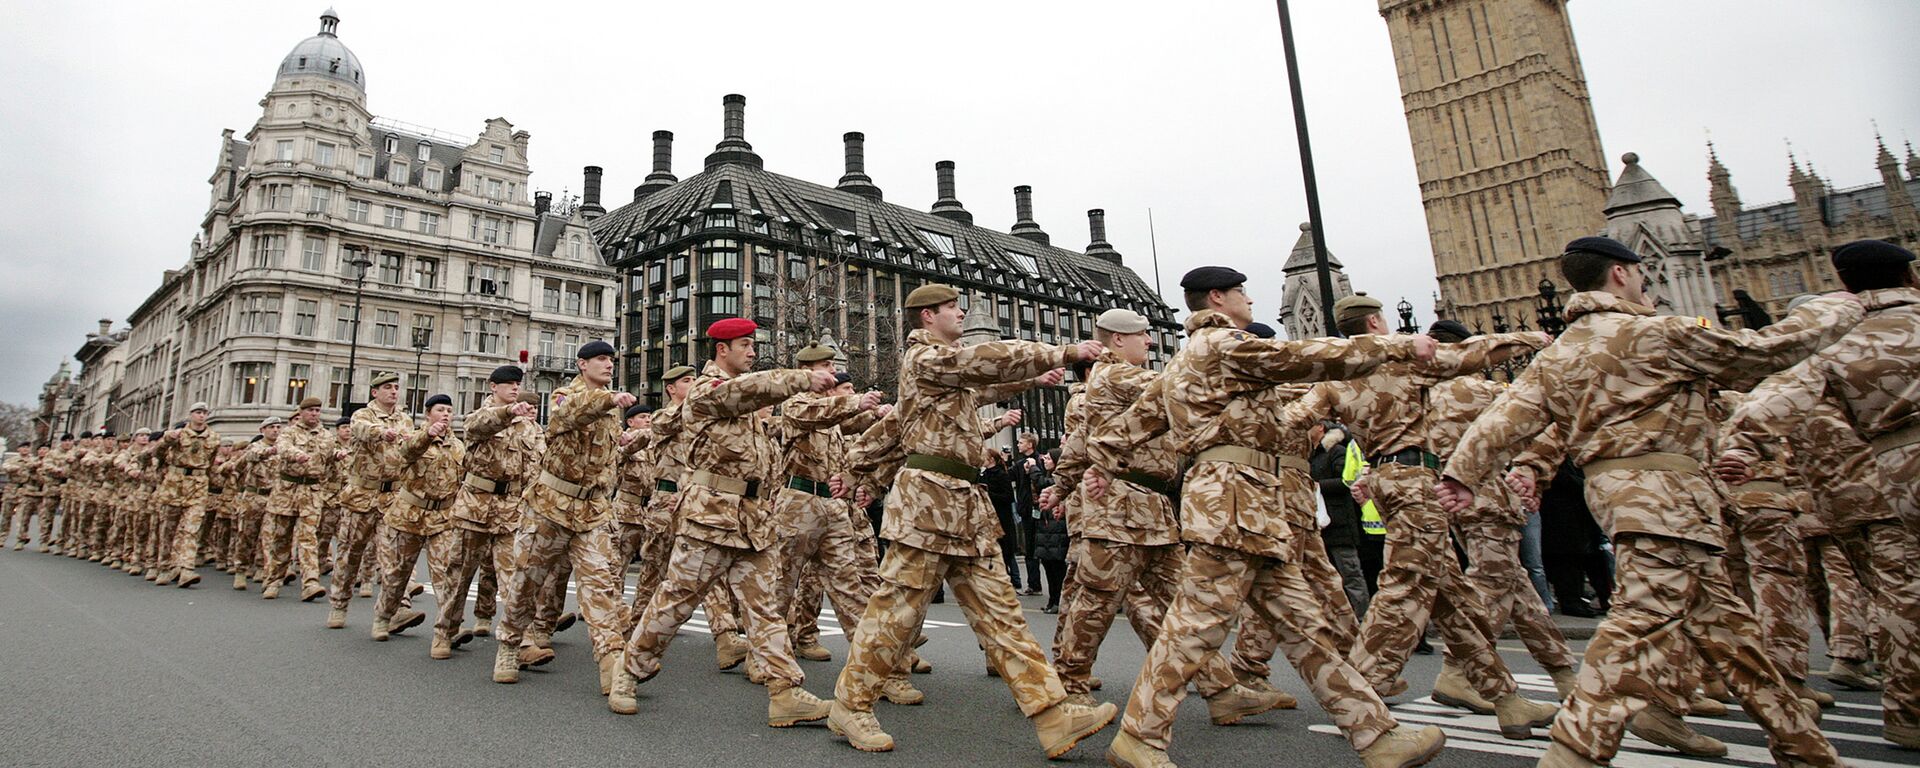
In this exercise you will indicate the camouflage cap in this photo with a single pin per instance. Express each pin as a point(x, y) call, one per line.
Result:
point(814, 353)
point(931, 295)
point(1355, 307)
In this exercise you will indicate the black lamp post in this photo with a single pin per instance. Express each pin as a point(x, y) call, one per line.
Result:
point(422, 339)
point(1405, 308)
point(1499, 323)
point(360, 264)
point(1550, 309)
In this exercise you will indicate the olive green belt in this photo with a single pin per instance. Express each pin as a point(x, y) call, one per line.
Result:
point(809, 485)
point(298, 480)
point(1260, 460)
point(1657, 461)
point(666, 486)
point(953, 468)
point(1897, 439)
point(1149, 482)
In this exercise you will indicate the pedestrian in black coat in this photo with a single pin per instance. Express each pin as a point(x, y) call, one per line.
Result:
point(999, 484)
point(1050, 543)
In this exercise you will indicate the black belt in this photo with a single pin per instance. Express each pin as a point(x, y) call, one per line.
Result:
point(666, 486)
point(299, 480)
point(216, 491)
point(959, 470)
point(1412, 457)
point(189, 470)
point(387, 487)
point(809, 485)
point(1149, 482)
point(261, 491)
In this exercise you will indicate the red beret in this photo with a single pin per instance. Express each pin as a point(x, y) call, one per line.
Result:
point(731, 328)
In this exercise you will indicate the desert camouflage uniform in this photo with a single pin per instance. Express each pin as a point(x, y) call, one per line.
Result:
point(23, 494)
point(183, 493)
point(727, 533)
point(822, 545)
point(1842, 602)
point(630, 500)
point(252, 529)
point(1236, 516)
point(569, 508)
point(1765, 560)
point(669, 450)
point(1631, 391)
point(1869, 382)
point(306, 459)
point(53, 503)
point(372, 470)
point(92, 534)
point(503, 456)
point(421, 518)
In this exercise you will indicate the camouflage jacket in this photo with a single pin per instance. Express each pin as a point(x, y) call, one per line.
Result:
point(370, 457)
point(1073, 447)
point(1452, 406)
point(1131, 512)
point(583, 444)
point(667, 447)
point(1220, 390)
point(430, 478)
point(727, 440)
point(20, 477)
point(183, 450)
point(305, 453)
point(875, 455)
point(1624, 383)
point(1774, 485)
point(942, 386)
point(809, 428)
point(1824, 451)
point(501, 446)
point(1391, 404)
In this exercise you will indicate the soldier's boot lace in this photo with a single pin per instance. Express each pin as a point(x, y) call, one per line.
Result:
point(1237, 703)
point(1404, 747)
point(861, 729)
point(1518, 716)
point(1562, 756)
point(898, 691)
point(1668, 730)
point(1062, 726)
point(1851, 674)
point(506, 665)
point(1451, 688)
point(1129, 752)
point(795, 705)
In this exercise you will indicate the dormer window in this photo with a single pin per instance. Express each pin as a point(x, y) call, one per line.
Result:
point(497, 153)
point(393, 145)
point(422, 150)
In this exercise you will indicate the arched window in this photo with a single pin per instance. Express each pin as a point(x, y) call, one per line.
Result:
point(573, 248)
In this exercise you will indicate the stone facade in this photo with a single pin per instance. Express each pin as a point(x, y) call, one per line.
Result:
point(1302, 316)
point(1504, 143)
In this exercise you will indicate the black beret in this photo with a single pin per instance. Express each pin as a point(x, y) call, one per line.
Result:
point(506, 374)
point(86, 435)
point(1451, 330)
point(1212, 278)
point(843, 377)
point(108, 433)
point(67, 436)
point(593, 349)
point(1870, 255)
point(1603, 246)
point(343, 421)
point(1261, 330)
point(440, 399)
point(637, 409)
point(257, 438)
point(179, 424)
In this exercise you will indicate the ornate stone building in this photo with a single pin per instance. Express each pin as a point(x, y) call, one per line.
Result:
point(1301, 315)
point(454, 264)
point(1642, 214)
point(1504, 142)
point(809, 261)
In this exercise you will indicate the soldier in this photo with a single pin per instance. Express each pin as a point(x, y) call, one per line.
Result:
point(630, 500)
point(943, 528)
point(304, 452)
point(569, 511)
point(504, 445)
point(273, 510)
point(1868, 379)
point(1234, 515)
point(1629, 389)
point(371, 474)
point(223, 500)
point(430, 461)
point(188, 453)
point(53, 482)
point(326, 539)
point(92, 533)
point(23, 494)
point(726, 534)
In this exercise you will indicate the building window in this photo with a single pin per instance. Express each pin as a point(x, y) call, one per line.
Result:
point(422, 151)
point(1025, 261)
point(573, 298)
point(574, 248)
point(429, 223)
point(386, 328)
point(319, 199)
point(486, 279)
point(721, 260)
point(276, 197)
point(306, 317)
point(396, 217)
point(550, 295)
point(485, 229)
point(426, 273)
point(940, 242)
point(297, 382)
point(396, 172)
point(250, 382)
point(720, 221)
point(482, 335)
point(497, 153)
point(496, 190)
point(393, 144)
point(363, 165)
point(359, 210)
point(724, 305)
point(337, 387)
point(422, 328)
point(283, 150)
point(269, 250)
point(343, 322)
point(546, 344)
point(323, 154)
point(416, 392)
point(391, 267)
point(432, 179)
point(259, 313)
point(594, 301)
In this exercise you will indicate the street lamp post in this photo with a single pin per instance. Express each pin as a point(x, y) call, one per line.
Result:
point(360, 264)
point(1550, 309)
point(1405, 308)
point(422, 339)
point(1320, 266)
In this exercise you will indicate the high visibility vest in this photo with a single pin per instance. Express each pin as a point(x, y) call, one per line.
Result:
point(1370, 521)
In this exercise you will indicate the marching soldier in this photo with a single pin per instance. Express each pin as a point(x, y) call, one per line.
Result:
point(1233, 514)
point(54, 508)
point(726, 533)
point(23, 494)
point(1629, 389)
point(326, 539)
point(188, 453)
point(371, 475)
point(630, 530)
point(305, 455)
point(943, 528)
point(504, 445)
point(1867, 380)
point(430, 461)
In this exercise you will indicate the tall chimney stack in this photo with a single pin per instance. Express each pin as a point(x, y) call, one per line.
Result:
point(662, 176)
point(1097, 245)
point(1024, 225)
point(542, 202)
point(733, 146)
point(856, 179)
point(590, 197)
point(948, 206)
point(106, 326)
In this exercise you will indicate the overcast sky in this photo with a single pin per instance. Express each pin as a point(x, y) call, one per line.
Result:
point(114, 111)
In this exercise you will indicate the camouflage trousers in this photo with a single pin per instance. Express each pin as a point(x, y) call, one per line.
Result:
point(551, 599)
point(46, 511)
point(1894, 554)
point(1672, 599)
point(480, 553)
point(326, 534)
point(1215, 586)
point(1768, 568)
point(276, 546)
point(358, 534)
point(243, 550)
point(803, 622)
point(1255, 641)
point(693, 570)
point(1843, 603)
point(882, 643)
point(401, 552)
point(1421, 577)
point(630, 539)
point(307, 548)
point(823, 538)
point(543, 545)
point(1493, 555)
point(186, 535)
point(25, 509)
point(164, 524)
point(1107, 572)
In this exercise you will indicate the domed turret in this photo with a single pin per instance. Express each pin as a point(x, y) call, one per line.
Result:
point(323, 55)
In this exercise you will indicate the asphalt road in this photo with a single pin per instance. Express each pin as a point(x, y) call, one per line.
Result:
point(106, 669)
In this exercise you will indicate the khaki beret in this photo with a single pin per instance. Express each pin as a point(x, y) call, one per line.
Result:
point(931, 296)
point(201, 406)
point(311, 402)
point(677, 373)
point(1354, 307)
point(814, 353)
point(272, 421)
point(384, 378)
point(1120, 320)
